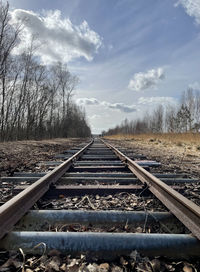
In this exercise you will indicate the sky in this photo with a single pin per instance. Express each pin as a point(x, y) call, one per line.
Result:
point(130, 55)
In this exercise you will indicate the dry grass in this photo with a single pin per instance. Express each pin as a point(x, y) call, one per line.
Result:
point(175, 138)
point(188, 143)
point(173, 150)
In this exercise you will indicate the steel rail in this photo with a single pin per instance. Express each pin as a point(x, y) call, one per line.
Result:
point(184, 209)
point(12, 211)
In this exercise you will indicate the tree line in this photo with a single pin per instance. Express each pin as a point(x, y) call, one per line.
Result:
point(183, 117)
point(35, 99)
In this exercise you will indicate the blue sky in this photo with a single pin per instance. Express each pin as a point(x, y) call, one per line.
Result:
point(134, 54)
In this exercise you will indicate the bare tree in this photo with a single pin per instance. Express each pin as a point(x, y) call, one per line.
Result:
point(179, 118)
point(8, 40)
point(35, 100)
point(156, 120)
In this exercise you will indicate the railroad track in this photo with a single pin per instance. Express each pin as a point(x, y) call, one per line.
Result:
point(98, 171)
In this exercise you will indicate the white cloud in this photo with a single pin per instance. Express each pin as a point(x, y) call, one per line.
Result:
point(142, 81)
point(116, 106)
point(120, 106)
point(192, 8)
point(87, 101)
point(58, 38)
point(195, 86)
point(163, 100)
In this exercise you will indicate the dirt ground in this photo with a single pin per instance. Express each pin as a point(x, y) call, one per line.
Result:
point(24, 155)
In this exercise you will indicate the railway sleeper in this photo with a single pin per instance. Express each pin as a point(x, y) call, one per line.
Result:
point(107, 180)
point(100, 221)
point(35, 219)
point(102, 163)
point(107, 245)
point(77, 190)
point(102, 174)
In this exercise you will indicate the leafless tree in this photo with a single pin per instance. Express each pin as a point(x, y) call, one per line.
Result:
point(183, 117)
point(8, 40)
point(35, 100)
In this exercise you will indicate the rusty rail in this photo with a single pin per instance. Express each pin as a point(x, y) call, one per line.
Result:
point(185, 210)
point(15, 208)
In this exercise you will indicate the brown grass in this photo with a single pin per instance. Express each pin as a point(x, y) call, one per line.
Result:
point(173, 150)
point(175, 138)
